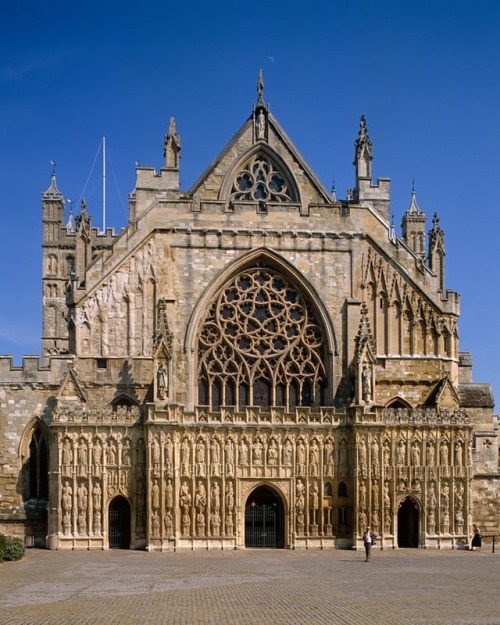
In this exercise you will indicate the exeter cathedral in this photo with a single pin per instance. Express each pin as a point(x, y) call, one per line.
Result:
point(250, 363)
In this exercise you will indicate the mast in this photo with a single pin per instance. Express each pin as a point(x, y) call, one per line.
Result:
point(104, 185)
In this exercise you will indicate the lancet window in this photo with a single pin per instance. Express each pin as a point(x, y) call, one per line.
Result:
point(38, 467)
point(261, 345)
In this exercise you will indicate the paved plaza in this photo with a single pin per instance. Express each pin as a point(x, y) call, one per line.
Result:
point(253, 587)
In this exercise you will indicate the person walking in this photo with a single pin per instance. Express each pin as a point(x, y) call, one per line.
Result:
point(368, 541)
point(476, 538)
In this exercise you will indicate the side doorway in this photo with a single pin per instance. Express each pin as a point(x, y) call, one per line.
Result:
point(408, 523)
point(264, 520)
point(119, 524)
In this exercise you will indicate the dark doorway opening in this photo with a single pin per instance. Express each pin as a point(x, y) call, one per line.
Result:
point(119, 523)
point(264, 520)
point(408, 523)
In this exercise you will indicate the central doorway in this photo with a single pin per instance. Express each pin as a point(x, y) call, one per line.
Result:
point(264, 520)
point(119, 523)
point(408, 523)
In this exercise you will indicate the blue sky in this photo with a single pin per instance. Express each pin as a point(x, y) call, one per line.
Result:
point(425, 74)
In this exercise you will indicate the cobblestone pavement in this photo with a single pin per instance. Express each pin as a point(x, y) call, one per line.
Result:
point(254, 587)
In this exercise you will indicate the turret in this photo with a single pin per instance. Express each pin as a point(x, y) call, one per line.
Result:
point(54, 271)
point(413, 227)
point(375, 196)
point(437, 251)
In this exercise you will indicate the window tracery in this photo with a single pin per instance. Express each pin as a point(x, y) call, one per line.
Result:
point(261, 345)
point(261, 181)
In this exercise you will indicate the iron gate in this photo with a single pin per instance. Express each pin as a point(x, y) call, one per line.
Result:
point(261, 526)
point(119, 524)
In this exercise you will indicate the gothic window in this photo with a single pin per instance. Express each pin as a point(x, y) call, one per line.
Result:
point(342, 490)
point(38, 486)
point(261, 181)
point(262, 344)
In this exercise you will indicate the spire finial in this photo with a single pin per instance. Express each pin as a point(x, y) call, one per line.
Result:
point(53, 163)
point(260, 89)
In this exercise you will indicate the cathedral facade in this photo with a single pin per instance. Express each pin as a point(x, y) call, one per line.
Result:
point(249, 363)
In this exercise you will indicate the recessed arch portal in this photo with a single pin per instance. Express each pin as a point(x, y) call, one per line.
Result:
point(264, 519)
point(265, 341)
point(119, 528)
point(408, 523)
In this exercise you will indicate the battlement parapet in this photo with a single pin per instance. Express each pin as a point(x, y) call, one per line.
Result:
point(32, 370)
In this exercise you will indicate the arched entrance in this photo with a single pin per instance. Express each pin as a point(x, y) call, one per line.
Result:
point(119, 523)
point(264, 520)
point(408, 525)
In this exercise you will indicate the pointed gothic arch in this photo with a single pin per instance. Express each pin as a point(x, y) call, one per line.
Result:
point(260, 174)
point(260, 320)
point(34, 454)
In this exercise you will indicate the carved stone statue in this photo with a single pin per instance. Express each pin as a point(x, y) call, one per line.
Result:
point(162, 380)
point(366, 383)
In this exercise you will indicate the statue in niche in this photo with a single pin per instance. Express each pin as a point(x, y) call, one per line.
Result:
point(243, 452)
point(200, 458)
point(458, 454)
point(215, 457)
point(314, 458)
point(155, 524)
point(301, 457)
point(362, 495)
point(215, 523)
point(169, 452)
point(200, 497)
point(67, 456)
point(169, 495)
point(287, 452)
point(112, 453)
point(375, 454)
point(445, 496)
point(366, 383)
point(97, 457)
point(257, 451)
point(386, 451)
point(430, 454)
point(215, 497)
point(162, 380)
point(260, 125)
point(300, 503)
point(229, 457)
point(401, 453)
point(314, 499)
point(387, 497)
point(443, 454)
point(229, 498)
point(362, 521)
point(126, 453)
point(362, 455)
point(82, 457)
point(415, 454)
point(328, 454)
point(156, 453)
point(169, 524)
point(375, 494)
point(431, 497)
point(375, 521)
point(185, 457)
point(81, 497)
point(185, 497)
point(155, 496)
point(97, 497)
point(67, 498)
point(272, 454)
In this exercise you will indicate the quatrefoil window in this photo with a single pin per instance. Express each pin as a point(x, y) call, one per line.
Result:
point(261, 345)
point(261, 181)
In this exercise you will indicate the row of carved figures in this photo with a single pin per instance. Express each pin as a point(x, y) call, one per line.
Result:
point(215, 455)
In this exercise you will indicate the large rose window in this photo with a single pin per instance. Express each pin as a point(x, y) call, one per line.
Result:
point(261, 345)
